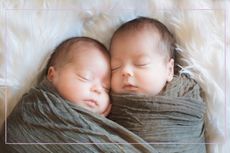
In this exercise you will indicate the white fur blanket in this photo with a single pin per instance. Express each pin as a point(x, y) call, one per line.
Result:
point(29, 31)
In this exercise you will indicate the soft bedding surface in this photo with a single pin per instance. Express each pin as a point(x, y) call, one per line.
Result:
point(29, 30)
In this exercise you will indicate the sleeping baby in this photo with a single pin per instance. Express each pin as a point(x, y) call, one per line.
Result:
point(79, 80)
point(165, 110)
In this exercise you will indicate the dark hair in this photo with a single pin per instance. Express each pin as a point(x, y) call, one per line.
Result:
point(166, 37)
point(61, 54)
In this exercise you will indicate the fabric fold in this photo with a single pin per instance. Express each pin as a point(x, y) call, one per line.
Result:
point(42, 116)
point(173, 120)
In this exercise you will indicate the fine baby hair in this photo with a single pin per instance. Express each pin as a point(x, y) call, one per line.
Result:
point(166, 39)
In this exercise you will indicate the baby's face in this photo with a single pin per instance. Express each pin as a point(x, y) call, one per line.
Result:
point(85, 80)
point(137, 65)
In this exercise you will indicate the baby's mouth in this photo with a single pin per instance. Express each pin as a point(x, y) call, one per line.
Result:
point(91, 102)
point(130, 87)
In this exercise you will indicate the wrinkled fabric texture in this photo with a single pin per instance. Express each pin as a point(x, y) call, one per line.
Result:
point(173, 120)
point(42, 116)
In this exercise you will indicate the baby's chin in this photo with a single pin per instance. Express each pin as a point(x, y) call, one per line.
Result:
point(137, 92)
point(128, 92)
point(90, 108)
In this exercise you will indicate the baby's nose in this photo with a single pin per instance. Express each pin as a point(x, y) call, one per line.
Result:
point(127, 71)
point(96, 88)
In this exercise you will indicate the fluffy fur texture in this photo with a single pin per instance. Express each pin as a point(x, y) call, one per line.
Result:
point(29, 31)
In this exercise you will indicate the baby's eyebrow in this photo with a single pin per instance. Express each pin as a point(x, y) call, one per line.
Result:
point(140, 55)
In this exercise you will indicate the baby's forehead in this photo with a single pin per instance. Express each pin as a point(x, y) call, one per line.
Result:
point(81, 45)
point(86, 52)
point(150, 38)
point(159, 38)
point(82, 48)
point(87, 57)
point(140, 43)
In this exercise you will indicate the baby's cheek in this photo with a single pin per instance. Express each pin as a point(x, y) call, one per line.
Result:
point(146, 83)
point(104, 103)
point(115, 84)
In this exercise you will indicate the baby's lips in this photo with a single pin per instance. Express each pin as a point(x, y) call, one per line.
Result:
point(130, 87)
point(91, 102)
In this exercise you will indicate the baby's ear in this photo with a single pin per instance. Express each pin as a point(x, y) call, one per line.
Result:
point(170, 67)
point(51, 73)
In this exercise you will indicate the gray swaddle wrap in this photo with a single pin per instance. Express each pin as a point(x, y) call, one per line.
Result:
point(172, 120)
point(42, 116)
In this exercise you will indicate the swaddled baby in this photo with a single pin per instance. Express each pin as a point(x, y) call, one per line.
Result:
point(146, 96)
point(78, 78)
point(69, 107)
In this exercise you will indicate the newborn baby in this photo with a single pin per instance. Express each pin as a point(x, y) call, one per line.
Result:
point(76, 78)
point(147, 98)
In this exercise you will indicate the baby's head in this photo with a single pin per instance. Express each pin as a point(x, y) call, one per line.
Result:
point(79, 69)
point(142, 57)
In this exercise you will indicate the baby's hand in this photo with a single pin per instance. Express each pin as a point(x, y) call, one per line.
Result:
point(107, 111)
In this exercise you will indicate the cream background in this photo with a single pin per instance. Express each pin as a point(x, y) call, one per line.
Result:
point(29, 31)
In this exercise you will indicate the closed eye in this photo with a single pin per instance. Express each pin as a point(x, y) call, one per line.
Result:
point(115, 68)
point(83, 78)
point(142, 64)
